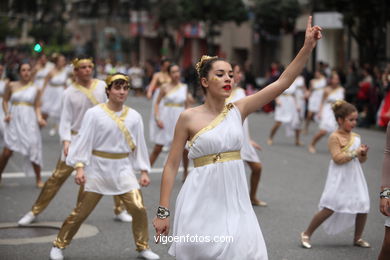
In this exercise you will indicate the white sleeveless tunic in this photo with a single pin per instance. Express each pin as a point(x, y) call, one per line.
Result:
point(2, 89)
point(316, 95)
point(328, 121)
point(214, 199)
point(22, 133)
point(345, 192)
point(53, 94)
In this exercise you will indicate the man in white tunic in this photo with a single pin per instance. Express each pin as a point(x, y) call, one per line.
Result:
point(108, 150)
point(81, 95)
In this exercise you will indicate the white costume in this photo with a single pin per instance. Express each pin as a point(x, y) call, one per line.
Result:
point(214, 200)
point(299, 82)
point(22, 133)
point(328, 121)
point(286, 111)
point(75, 104)
point(53, 93)
point(248, 152)
point(103, 175)
point(2, 89)
point(156, 134)
point(174, 104)
point(41, 74)
point(318, 86)
point(345, 192)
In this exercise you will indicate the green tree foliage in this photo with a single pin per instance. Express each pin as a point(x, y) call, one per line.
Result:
point(366, 21)
point(274, 16)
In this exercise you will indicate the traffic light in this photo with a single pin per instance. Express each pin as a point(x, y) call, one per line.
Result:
point(37, 48)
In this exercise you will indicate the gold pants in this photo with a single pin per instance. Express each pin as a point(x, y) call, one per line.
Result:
point(134, 204)
point(54, 183)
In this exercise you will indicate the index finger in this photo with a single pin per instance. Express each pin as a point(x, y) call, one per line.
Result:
point(309, 21)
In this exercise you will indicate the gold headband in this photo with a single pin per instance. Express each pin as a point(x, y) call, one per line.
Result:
point(204, 58)
point(76, 62)
point(112, 78)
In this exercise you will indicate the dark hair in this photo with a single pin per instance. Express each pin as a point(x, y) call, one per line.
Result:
point(21, 65)
point(164, 60)
point(342, 109)
point(203, 68)
point(171, 66)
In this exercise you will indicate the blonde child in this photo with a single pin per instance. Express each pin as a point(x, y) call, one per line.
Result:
point(345, 199)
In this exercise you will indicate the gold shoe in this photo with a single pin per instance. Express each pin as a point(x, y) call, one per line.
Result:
point(259, 203)
point(362, 243)
point(305, 241)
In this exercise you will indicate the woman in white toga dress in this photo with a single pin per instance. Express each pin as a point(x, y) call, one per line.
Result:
point(22, 122)
point(214, 218)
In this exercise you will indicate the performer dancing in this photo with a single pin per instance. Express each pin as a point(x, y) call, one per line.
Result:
point(344, 201)
point(22, 122)
point(214, 200)
point(53, 90)
point(328, 124)
point(83, 94)
point(315, 95)
point(287, 111)
point(158, 79)
point(109, 148)
point(385, 198)
point(41, 69)
point(174, 98)
point(248, 152)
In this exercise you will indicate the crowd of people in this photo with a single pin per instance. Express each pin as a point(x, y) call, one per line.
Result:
point(103, 141)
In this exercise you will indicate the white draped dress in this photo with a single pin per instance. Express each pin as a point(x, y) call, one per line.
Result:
point(214, 199)
point(328, 121)
point(315, 98)
point(22, 133)
point(345, 192)
point(248, 152)
point(2, 89)
point(174, 104)
point(53, 94)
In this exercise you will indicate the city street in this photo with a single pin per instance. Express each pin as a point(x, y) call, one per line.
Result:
point(292, 183)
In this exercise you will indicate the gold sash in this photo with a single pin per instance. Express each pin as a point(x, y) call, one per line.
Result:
point(350, 143)
point(173, 105)
point(217, 158)
point(21, 103)
point(23, 88)
point(88, 92)
point(119, 121)
point(110, 155)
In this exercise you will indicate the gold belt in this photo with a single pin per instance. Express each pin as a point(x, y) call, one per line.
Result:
point(173, 105)
point(21, 103)
point(110, 155)
point(286, 94)
point(73, 132)
point(217, 158)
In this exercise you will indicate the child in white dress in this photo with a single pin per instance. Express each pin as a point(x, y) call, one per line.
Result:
point(344, 201)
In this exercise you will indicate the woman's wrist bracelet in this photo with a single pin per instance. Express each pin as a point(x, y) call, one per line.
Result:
point(162, 212)
point(385, 194)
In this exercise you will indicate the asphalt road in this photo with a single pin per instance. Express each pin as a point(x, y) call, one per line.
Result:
point(292, 183)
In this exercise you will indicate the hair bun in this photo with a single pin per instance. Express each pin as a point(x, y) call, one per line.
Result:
point(337, 104)
point(202, 61)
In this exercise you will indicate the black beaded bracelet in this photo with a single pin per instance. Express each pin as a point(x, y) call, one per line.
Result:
point(162, 213)
point(385, 194)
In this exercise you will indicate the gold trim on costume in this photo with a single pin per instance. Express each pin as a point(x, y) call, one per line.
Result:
point(21, 103)
point(217, 158)
point(216, 121)
point(23, 88)
point(119, 121)
point(335, 90)
point(350, 142)
point(110, 155)
point(88, 92)
point(79, 165)
point(111, 79)
point(287, 94)
point(174, 89)
point(173, 105)
point(73, 132)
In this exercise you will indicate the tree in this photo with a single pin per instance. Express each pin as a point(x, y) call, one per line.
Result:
point(366, 22)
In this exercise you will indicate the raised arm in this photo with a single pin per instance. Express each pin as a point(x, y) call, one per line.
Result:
point(254, 102)
point(156, 108)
